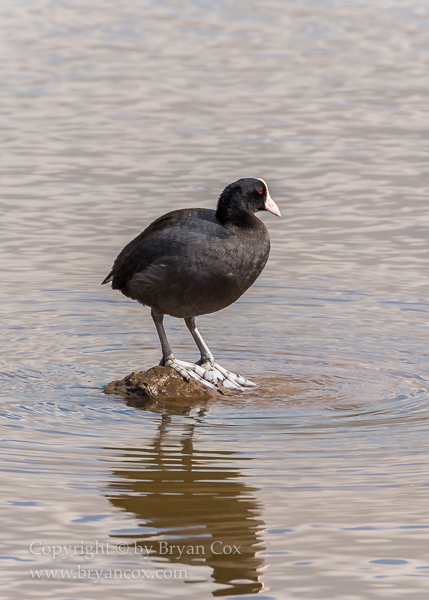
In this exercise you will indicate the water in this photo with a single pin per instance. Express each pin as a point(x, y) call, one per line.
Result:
point(116, 112)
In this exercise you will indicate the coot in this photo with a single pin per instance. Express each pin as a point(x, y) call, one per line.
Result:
point(197, 261)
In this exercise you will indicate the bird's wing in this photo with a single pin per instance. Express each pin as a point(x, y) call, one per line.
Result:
point(168, 236)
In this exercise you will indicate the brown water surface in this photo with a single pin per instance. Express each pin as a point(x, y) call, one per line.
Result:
point(113, 113)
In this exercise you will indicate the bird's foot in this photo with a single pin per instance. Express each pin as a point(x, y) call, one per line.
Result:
point(208, 373)
point(189, 371)
point(214, 373)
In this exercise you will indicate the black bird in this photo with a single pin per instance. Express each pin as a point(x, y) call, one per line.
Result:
point(197, 261)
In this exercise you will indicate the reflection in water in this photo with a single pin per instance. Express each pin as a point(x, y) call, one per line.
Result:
point(193, 501)
point(168, 406)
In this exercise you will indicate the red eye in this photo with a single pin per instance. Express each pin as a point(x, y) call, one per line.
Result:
point(261, 191)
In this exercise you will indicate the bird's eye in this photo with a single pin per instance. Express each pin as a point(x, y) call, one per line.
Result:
point(261, 191)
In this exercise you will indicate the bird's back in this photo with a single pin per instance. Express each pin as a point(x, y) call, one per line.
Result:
point(186, 263)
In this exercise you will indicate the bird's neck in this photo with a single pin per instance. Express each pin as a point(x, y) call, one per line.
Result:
point(236, 217)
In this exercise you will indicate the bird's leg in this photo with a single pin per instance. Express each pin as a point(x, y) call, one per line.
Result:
point(206, 355)
point(185, 369)
point(214, 372)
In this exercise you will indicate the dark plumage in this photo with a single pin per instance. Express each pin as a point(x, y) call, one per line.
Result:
point(197, 261)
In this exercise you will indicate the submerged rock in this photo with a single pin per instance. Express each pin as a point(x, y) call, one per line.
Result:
point(159, 383)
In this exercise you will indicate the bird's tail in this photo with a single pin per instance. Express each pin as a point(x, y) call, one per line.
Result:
point(108, 279)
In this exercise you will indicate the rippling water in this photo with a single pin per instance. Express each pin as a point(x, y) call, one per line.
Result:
point(114, 113)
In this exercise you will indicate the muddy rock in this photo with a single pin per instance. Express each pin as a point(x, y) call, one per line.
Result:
point(159, 383)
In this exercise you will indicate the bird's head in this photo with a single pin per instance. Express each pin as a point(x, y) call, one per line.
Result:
point(245, 197)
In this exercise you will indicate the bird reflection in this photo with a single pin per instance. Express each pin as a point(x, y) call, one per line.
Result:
point(189, 498)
